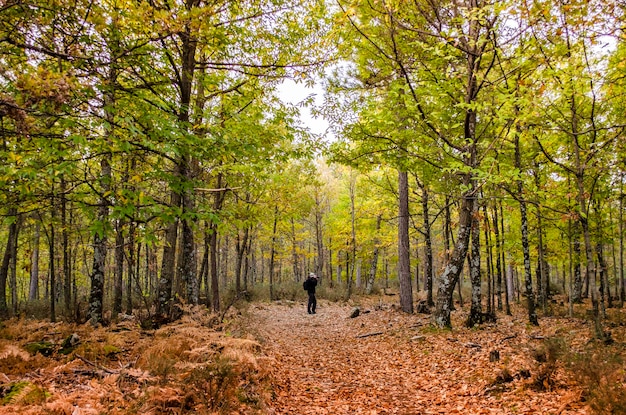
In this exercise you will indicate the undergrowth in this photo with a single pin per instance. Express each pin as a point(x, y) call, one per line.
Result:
point(600, 371)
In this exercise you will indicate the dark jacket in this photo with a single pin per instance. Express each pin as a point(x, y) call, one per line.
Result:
point(310, 284)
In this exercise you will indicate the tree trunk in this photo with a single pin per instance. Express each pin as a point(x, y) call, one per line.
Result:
point(96, 295)
point(119, 269)
point(496, 228)
point(190, 250)
point(428, 248)
point(204, 267)
point(13, 273)
point(273, 253)
point(605, 293)
point(577, 295)
point(294, 252)
point(352, 250)
point(404, 256)
point(168, 264)
point(213, 245)
point(532, 314)
point(67, 277)
point(508, 286)
point(450, 276)
point(133, 269)
point(476, 312)
point(33, 291)
point(369, 287)
point(622, 291)
point(241, 251)
point(491, 306)
point(319, 265)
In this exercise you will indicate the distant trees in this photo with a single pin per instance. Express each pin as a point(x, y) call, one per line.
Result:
point(484, 93)
point(147, 161)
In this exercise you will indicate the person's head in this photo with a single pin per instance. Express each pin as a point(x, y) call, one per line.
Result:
point(311, 275)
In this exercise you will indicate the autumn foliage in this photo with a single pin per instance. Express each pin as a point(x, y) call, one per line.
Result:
point(274, 358)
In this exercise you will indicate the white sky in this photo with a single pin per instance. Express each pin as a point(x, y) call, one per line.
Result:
point(295, 93)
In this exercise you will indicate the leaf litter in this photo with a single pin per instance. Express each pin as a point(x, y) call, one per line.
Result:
point(277, 359)
point(387, 362)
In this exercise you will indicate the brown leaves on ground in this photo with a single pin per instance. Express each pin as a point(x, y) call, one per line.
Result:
point(182, 368)
point(380, 363)
point(328, 363)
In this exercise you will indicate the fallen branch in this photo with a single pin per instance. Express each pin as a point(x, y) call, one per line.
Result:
point(97, 366)
point(508, 338)
point(376, 333)
point(472, 345)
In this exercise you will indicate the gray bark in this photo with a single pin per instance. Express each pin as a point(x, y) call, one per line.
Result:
point(374, 264)
point(96, 294)
point(33, 291)
point(118, 281)
point(532, 314)
point(450, 276)
point(428, 248)
point(476, 311)
point(404, 257)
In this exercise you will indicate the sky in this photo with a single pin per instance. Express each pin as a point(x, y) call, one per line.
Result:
point(294, 93)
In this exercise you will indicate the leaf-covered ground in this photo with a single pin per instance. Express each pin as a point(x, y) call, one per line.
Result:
point(386, 362)
point(277, 359)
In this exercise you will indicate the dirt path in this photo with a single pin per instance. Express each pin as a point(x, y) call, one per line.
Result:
point(322, 366)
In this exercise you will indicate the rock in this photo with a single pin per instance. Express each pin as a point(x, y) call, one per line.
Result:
point(70, 343)
point(355, 312)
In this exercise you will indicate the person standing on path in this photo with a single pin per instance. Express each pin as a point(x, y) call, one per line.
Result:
point(309, 285)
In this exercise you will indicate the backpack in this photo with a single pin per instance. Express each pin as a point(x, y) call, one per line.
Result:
point(305, 285)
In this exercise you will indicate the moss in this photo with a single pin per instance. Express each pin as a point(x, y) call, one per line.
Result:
point(45, 348)
point(110, 350)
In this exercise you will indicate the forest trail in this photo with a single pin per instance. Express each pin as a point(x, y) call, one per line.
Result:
point(324, 366)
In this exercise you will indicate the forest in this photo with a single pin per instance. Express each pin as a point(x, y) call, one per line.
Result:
point(472, 174)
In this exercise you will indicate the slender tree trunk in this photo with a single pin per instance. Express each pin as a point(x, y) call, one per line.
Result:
point(190, 251)
point(294, 252)
point(204, 267)
point(241, 251)
point(369, 287)
point(605, 293)
point(330, 262)
point(428, 248)
point(577, 295)
point(450, 276)
point(246, 261)
point(352, 247)
point(13, 273)
point(404, 256)
point(496, 228)
point(491, 307)
point(508, 286)
point(67, 278)
point(168, 264)
point(532, 314)
point(96, 295)
point(213, 245)
point(571, 268)
point(622, 291)
point(119, 269)
point(273, 253)
point(33, 291)
point(133, 269)
point(319, 238)
point(476, 311)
